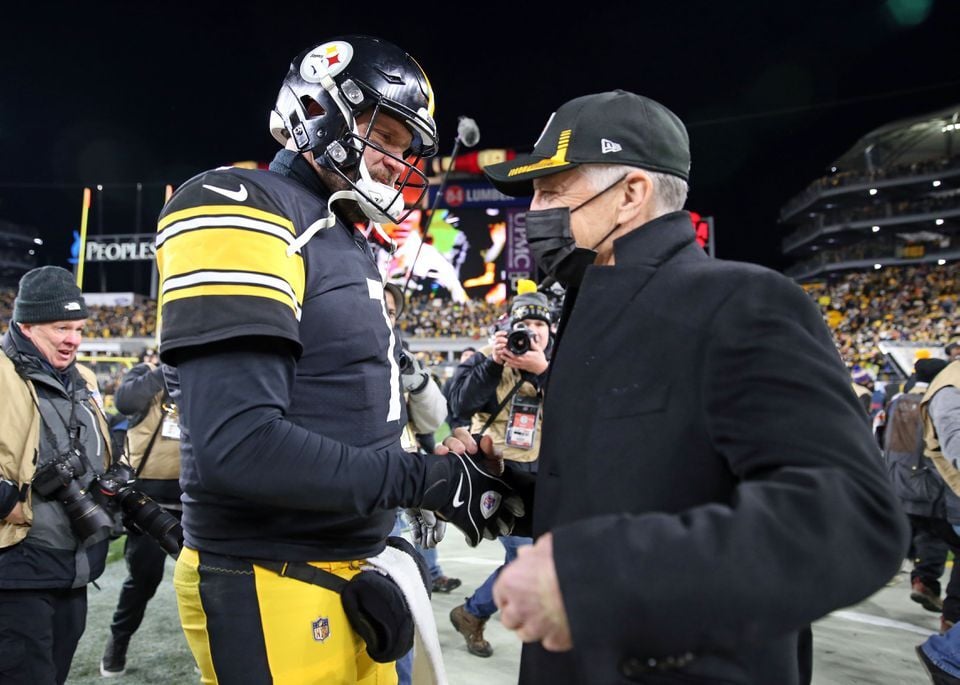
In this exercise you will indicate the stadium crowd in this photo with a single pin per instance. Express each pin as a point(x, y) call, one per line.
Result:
point(906, 303)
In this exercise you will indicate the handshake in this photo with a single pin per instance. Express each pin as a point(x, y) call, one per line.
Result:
point(467, 489)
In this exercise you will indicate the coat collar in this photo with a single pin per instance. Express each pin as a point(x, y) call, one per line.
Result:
point(656, 241)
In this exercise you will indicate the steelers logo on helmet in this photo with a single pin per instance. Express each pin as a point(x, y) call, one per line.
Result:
point(329, 58)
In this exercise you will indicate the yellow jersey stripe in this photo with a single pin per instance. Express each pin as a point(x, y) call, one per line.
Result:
point(227, 289)
point(232, 250)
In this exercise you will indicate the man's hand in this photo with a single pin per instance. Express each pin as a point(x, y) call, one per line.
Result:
point(498, 345)
point(16, 516)
point(527, 593)
point(427, 530)
point(464, 488)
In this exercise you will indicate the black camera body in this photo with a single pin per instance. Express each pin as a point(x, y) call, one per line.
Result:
point(92, 511)
point(519, 339)
point(59, 479)
point(406, 364)
point(140, 511)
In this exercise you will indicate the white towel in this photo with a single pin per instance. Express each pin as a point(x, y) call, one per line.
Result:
point(405, 573)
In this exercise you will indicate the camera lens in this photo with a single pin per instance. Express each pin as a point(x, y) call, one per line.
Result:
point(88, 517)
point(152, 519)
point(518, 341)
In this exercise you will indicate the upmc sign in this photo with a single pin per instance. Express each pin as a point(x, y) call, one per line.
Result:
point(121, 248)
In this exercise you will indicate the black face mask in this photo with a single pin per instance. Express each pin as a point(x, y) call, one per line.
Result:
point(553, 244)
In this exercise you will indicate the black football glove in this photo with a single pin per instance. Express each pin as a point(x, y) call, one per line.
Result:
point(460, 490)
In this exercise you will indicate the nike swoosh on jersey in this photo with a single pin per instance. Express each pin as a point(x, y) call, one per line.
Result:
point(456, 496)
point(238, 195)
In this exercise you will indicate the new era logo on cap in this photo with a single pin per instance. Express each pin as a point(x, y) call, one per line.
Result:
point(609, 146)
point(72, 306)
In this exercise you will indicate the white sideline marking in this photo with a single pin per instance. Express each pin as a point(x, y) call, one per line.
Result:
point(882, 622)
point(475, 561)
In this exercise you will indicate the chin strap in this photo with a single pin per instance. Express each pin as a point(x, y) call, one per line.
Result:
point(326, 222)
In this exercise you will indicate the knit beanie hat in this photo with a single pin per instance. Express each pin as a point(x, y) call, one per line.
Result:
point(927, 369)
point(530, 306)
point(48, 293)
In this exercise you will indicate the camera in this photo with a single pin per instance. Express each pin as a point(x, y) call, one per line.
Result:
point(91, 511)
point(519, 339)
point(59, 479)
point(139, 511)
point(406, 364)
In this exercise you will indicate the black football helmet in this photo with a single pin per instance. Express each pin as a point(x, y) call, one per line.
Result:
point(329, 86)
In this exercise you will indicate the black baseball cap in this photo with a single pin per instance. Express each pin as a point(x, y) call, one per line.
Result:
point(616, 127)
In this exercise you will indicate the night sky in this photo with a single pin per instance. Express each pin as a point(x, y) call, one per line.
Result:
point(120, 93)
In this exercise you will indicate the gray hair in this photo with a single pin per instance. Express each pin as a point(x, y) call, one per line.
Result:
point(669, 191)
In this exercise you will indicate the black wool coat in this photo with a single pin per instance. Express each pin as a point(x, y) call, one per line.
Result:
point(709, 477)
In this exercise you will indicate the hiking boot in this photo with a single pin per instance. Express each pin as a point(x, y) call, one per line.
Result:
point(925, 597)
point(471, 628)
point(114, 661)
point(444, 584)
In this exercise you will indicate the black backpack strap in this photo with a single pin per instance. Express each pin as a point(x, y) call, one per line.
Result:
point(146, 452)
point(496, 412)
point(303, 572)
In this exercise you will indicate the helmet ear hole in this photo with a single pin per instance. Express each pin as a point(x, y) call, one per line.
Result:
point(312, 107)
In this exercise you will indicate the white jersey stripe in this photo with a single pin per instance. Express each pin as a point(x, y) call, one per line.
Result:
point(224, 221)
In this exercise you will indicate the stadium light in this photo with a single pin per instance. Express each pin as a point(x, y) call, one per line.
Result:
point(941, 262)
point(936, 184)
point(875, 229)
point(939, 222)
point(38, 241)
point(878, 266)
point(873, 191)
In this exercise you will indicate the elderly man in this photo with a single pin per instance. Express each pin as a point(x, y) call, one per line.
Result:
point(708, 483)
point(54, 440)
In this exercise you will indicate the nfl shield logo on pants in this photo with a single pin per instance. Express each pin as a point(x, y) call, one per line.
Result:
point(321, 629)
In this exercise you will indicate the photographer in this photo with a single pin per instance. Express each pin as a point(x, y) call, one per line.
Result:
point(502, 386)
point(53, 442)
point(153, 441)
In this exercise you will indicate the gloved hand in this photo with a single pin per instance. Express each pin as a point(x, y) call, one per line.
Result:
point(414, 377)
point(462, 489)
point(426, 528)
